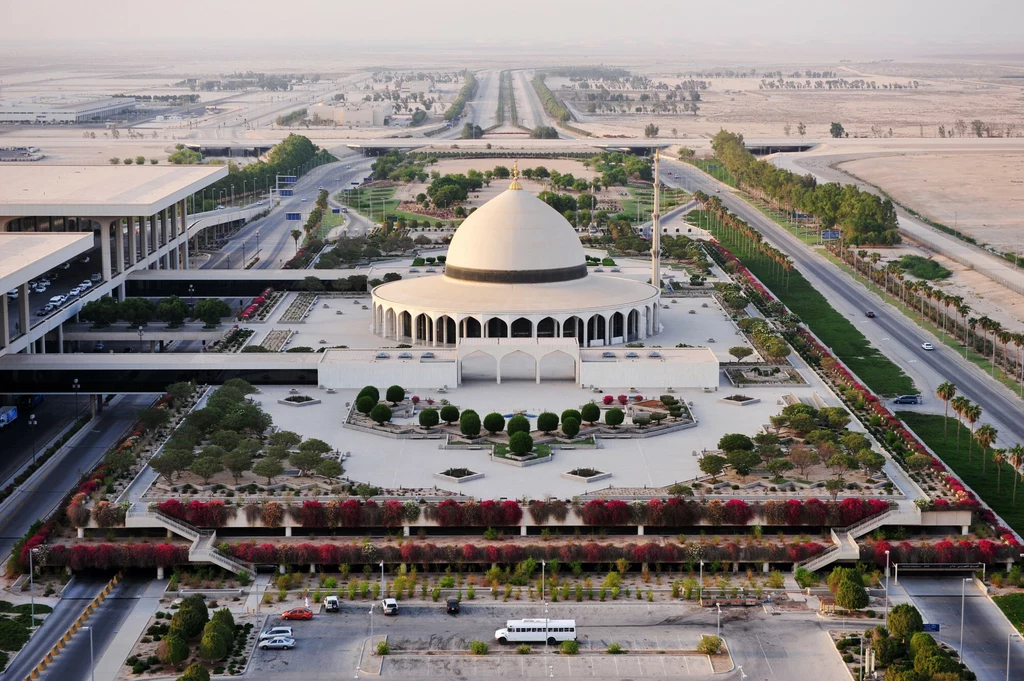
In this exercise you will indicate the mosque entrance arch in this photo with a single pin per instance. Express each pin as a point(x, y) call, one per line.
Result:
point(517, 366)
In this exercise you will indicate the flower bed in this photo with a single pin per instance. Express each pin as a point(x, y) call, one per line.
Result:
point(299, 401)
point(234, 340)
point(739, 400)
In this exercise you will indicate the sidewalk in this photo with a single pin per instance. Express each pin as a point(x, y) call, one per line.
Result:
point(134, 626)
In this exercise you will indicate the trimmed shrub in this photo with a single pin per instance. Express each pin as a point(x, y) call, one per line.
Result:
point(614, 417)
point(570, 427)
point(494, 423)
point(449, 414)
point(520, 443)
point(547, 422)
point(380, 414)
point(591, 413)
point(517, 424)
point(429, 418)
point(469, 423)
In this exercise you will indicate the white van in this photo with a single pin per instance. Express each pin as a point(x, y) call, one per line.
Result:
point(58, 300)
point(536, 631)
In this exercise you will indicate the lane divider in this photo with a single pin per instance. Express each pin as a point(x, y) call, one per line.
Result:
point(75, 627)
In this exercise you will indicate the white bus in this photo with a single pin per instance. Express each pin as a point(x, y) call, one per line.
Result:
point(536, 631)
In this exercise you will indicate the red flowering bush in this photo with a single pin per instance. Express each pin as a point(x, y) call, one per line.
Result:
point(607, 399)
point(737, 512)
point(312, 514)
point(449, 513)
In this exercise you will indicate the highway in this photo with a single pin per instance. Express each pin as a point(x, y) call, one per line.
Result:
point(531, 111)
point(483, 109)
point(54, 413)
point(891, 332)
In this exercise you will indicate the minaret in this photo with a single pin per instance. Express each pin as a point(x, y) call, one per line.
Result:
point(656, 230)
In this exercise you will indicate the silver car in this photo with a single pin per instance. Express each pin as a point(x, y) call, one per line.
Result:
point(278, 643)
point(276, 632)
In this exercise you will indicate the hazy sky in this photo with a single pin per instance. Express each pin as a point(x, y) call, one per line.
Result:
point(866, 28)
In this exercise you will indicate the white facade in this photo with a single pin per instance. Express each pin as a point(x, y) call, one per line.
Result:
point(345, 369)
point(71, 112)
point(657, 368)
point(364, 114)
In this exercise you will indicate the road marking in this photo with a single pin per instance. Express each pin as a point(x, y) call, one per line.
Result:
point(663, 668)
point(639, 666)
point(764, 654)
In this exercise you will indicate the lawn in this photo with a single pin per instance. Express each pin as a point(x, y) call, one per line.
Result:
point(715, 169)
point(929, 427)
point(1012, 606)
point(879, 373)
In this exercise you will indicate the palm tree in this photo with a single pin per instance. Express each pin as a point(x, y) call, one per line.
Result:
point(296, 234)
point(999, 458)
point(959, 404)
point(971, 415)
point(986, 436)
point(1016, 460)
point(945, 392)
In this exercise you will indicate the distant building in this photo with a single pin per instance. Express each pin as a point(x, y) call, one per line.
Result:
point(56, 110)
point(363, 114)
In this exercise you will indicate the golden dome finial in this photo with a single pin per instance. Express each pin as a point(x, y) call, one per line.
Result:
point(515, 176)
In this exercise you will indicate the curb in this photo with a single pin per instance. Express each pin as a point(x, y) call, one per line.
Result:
point(74, 629)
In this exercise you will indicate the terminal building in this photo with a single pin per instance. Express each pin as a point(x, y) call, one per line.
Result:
point(66, 111)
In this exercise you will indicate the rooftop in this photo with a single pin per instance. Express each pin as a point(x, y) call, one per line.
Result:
point(99, 191)
point(26, 255)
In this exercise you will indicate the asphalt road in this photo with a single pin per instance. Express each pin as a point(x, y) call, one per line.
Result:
point(483, 109)
point(985, 629)
point(52, 414)
point(894, 334)
point(35, 500)
point(767, 647)
point(78, 594)
point(528, 106)
point(276, 245)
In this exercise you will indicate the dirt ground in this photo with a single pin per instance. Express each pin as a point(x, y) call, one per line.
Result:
point(980, 194)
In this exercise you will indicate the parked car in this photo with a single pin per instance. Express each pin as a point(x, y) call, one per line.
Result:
point(927, 346)
point(297, 614)
point(84, 259)
point(76, 291)
point(275, 633)
point(12, 294)
point(389, 606)
point(95, 278)
point(66, 266)
point(869, 314)
point(452, 606)
point(85, 285)
point(907, 399)
point(219, 207)
point(332, 604)
point(278, 643)
point(43, 311)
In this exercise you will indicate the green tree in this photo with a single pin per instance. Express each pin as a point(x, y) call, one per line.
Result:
point(469, 423)
point(713, 465)
point(236, 461)
point(494, 423)
point(834, 486)
point(520, 443)
point(395, 394)
point(365, 404)
point(296, 235)
point(851, 595)
point(140, 160)
point(836, 130)
point(517, 424)
point(101, 312)
point(180, 391)
point(743, 461)
point(614, 417)
point(211, 310)
point(429, 418)
point(905, 621)
point(269, 467)
point(305, 460)
point(284, 438)
point(381, 413)
point(213, 647)
point(777, 467)
point(153, 418)
point(191, 616)
point(316, 446)
point(172, 310)
point(195, 672)
point(449, 414)
point(733, 441)
point(740, 352)
point(329, 468)
point(547, 422)
point(171, 462)
point(570, 427)
point(114, 160)
point(172, 649)
point(591, 413)
point(247, 417)
point(206, 467)
point(945, 392)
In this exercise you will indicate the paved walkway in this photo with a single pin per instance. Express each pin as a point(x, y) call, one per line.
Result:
point(130, 630)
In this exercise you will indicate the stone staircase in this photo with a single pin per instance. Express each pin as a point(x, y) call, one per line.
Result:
point(204, 542)
point(844, 540)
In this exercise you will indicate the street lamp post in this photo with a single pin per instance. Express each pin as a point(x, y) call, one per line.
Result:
point(887, 587)
point(543, 568)
point(371, 627)
point(963, 601)
point(382, 580)
point(140, 339)
point(700, 582)
point(32, 423)
point(92, 657)
point(32, 585)
point(257, 242)
point(719, 606)
point(191, 295)
point(76, 386)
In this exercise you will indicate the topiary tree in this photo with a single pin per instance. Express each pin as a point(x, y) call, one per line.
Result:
point(547, 422)
point(195, 672)
point(395, 394)
point(572, 414)
point(429, 418)
point(469, 423)
point(381, 413)
point(518, 424)
point(570, 427)
point(449, 414)
point(371, 391)
point(614, 417)
point(494, 423)
point(365, 404)
point(591, 413)
point(851, 595)
point(905, 621)
point(520, 443)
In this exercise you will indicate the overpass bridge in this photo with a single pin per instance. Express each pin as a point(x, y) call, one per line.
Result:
point(374, 147)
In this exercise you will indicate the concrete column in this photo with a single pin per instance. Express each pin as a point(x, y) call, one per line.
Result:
point(764, 567)
point(608, 330)
point(144, 227)
point(60, 339)
point(281, 568)
point(81, 533)
point(24, 314)
point(640, 530)
point(965, 530)
point(735, 567)
point(164, 259)
point(183, 216)
point(132, 248)
point(105, 248)
point(522, 530)
point(312, 568)
point(497, 367)
point(160, 573)
point(537, 365)
point(405, 531)
point(120, 291)
point(288, 531)
point(119, 246)
point(5, 324)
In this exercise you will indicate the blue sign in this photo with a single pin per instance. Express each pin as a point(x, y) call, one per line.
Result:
point(357, 183)
point(286, 192)
point(335, 210)
point(290, 179)
point(830, 235)
point(930, 627)
point(293, 217)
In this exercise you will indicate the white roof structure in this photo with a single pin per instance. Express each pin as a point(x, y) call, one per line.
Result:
point(26, 255)
point(114, 191)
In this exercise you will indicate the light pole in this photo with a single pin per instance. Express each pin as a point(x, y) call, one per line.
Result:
point(257, 242)
point(543, 568)
point(191, 295)
point(76, 386)
point(887, 587)
point(963, 601)
point(140, 339)
point(32, 423)
point(700, 582)
point(382, 580)
point(32, 585)
point(371, 627)
point(1009, 635)
point(92, 657)
point(719, 606)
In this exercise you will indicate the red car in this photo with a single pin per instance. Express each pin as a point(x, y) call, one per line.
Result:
point(297, 614)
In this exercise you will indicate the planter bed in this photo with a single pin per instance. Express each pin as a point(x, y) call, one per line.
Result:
point(587, 475)
point(739, 400)
point(293, 402)
point(458, 475)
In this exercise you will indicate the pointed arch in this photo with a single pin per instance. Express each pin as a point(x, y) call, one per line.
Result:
point(497, 328)
point(547, 328)
point(521, 328)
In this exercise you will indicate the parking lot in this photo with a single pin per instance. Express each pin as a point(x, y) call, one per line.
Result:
point(64, 281)
point(426, 643)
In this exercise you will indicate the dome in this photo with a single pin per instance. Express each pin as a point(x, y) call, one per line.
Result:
point(515, 238)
